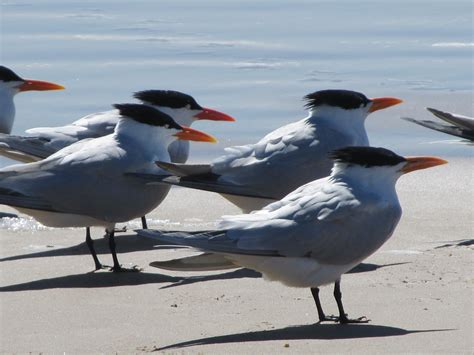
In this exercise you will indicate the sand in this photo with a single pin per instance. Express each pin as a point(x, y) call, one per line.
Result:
point(417, 289)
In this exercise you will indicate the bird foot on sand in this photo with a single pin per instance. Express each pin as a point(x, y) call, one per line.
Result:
point(101, 267)
point(343, 320)
point(120, 230)
point(119, 268)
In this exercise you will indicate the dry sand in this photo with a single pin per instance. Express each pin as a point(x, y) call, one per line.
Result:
point(417, 289)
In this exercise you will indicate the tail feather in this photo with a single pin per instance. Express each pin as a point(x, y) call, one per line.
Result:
point(206, 182)
point(185, 169)
point(202, 262)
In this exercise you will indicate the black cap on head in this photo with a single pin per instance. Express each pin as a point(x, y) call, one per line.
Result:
point(168, 98)
point(345, 99)
point(8, 75)
point(147, 115)
point(366, 156)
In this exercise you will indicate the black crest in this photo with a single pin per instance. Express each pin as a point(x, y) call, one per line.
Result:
point(147, 115)
point(366, 156)
point(345, 99)
point(8, 75)
point(168, 98)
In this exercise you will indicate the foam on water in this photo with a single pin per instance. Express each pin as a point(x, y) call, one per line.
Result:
point(28, 224)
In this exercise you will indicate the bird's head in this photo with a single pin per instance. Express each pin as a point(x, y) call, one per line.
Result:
point(10, 81)
point(346, 104)
point(379, 162)
point(182, 107)
point(154, 119)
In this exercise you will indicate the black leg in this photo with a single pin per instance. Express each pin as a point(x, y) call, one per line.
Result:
point(144, 224)
point(117, 267)
point(90, 245)
point(342, 315)
point(322, 316)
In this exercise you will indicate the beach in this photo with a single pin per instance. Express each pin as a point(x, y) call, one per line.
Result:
point(255, 61)
point(417, 289)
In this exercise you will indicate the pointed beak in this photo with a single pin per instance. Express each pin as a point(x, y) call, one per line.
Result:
point(380, 103)
point(190, 134)
point(417, 163)
point(213, 115)
point(37, 85)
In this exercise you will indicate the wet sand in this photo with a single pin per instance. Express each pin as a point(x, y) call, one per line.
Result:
point(417, 289)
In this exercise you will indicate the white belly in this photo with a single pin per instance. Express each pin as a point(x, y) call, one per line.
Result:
point(63, 220)
point(293, 272)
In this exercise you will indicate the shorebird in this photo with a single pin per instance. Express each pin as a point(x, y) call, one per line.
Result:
point(85, 184)
point(314, 234)
point(253, 175)
point(12, 84)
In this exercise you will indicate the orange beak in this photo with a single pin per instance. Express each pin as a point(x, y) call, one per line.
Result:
point(380, 103)
point(37, 85)
point(417, 163)
point(190, 134)
point(213, 115)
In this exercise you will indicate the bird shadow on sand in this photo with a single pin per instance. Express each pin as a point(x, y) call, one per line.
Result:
point(304, 332)
point(126, 243)
point(457, 243)
point(247, 273)
point(109, 279)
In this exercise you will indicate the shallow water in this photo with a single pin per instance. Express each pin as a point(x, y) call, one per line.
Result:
point(254, 60)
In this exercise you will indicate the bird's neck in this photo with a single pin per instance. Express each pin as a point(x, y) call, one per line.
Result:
point(375, 180)
point(182, 116)
point(7, 110)
point(151, 139)
point(346, 124)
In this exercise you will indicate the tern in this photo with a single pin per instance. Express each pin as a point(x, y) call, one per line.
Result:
point(10, 85)
point(45, 141)
point(314, 234)
point(459, 125)
point(85, 184)
point(253, 175)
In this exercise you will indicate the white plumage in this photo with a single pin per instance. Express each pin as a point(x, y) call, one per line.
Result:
point(314, 234)
point(288, 157)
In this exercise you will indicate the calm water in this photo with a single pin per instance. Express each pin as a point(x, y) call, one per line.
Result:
point(252, 59)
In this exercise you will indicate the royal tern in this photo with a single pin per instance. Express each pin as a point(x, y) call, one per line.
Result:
point(85, 184)
point(459, 126)
point(45, 141)
point(314, 234)
point(253, 175)
point(10, 85)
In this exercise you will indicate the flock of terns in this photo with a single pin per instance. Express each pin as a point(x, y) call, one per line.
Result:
point(317, 199)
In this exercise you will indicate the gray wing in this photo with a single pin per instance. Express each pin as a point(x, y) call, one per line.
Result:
point(455, 119)
point(452, 130)
point(283, 160)
point(330, 225)
point(91, 126)
point(25, 149)
point(68, 180)
point(15, 199)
